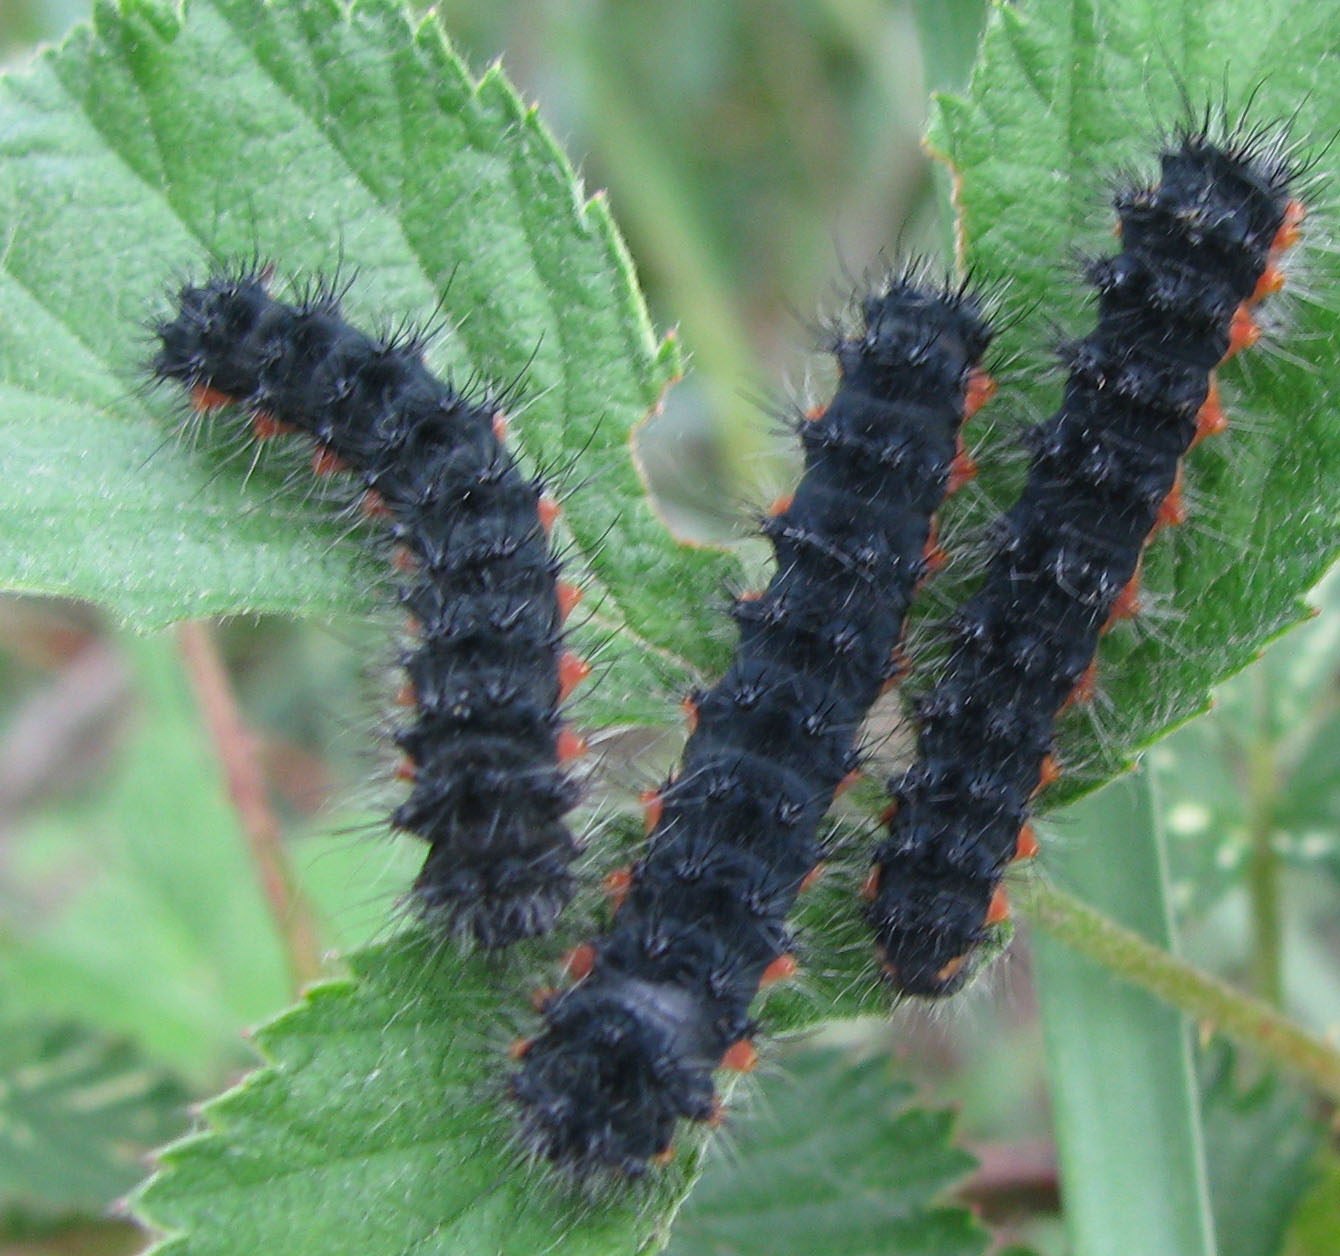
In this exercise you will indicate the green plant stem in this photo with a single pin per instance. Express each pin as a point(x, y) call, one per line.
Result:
point(1263, 873)
point(1214, 1003)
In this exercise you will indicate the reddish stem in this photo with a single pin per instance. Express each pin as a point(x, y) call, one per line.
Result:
point(237, 752)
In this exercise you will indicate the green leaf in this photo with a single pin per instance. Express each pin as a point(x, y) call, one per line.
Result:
point(78, 1113)
point(1125, 1104)
point(311, 133)
point(1262, 1143)
point(833, 1159)
point(378, 1125)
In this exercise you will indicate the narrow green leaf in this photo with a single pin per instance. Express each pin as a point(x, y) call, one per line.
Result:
point(78, 1113)
point(1125, 1103)
point(834, 1159)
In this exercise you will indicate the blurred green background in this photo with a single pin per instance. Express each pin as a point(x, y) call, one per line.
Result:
point(759, 157)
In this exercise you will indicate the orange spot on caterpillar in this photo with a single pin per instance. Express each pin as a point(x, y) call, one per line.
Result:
point(1026, 847)
point(815, 413)
point(548, 509)
point(664, 1156)
point(780, 505)
point(750, 595)
point(847, 782)
point(402, 559)
point(933, 558)
point(372, 505)
point(718, 1113)
point(1271, 281)
point(1243, 332)
point(405, 695)
point(616, 885)
point(961, 470)
point(324, 462)
point(412, 625)
point(541, 997)
point(981, 388)
point(690, 708)
point(568, 597)
point(1127, 605)
point(579, 961)
point(1288, 234)
point(500, 427)
point(1048, 774)
point(205, 399)
point(889, 813)
point(1210, 418)
point(870, 886)
point(652, 806)
point(782, 968)
point(572, 670)
point(1084, 688)
point(740, 1057)
point(264, 426)
point(1173, 511)
point(999, 908)
point(898, 667)
point(811, 878)
point(948, 972)
point(519, 1048)
point(570, 745)
point(406, 770)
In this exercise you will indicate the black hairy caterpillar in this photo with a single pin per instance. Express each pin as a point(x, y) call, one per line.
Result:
point(1198, 249)
point(662, 999)
point(485, 669)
